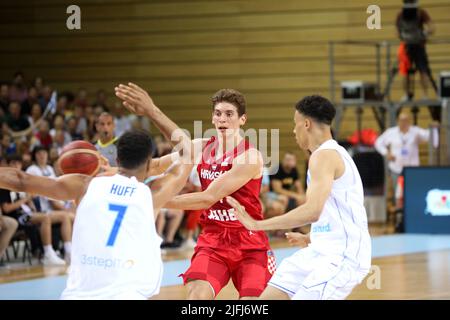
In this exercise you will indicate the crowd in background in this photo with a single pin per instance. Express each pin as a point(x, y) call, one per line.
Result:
point(37, 122)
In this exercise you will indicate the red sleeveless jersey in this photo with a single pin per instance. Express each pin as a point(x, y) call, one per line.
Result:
point(221, 214)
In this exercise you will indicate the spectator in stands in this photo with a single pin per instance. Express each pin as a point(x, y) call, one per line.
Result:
point(81, 98)
point(192, 216)
point(41, 168)
point(15, 120)
point(414, 26)
point(23, 146)
point(8, 227)
point(59, 124)
point(4, 98)
point(28, 103)
point(139, 123)
point(91, 121)
point(81, 129)
point(72, 129)
point(287, 182)
point(27, 160)
point(5, 129)
point(100, 100)
point(106, 144)
point(18, 91)
point(167, 225)
point(169, 220)
point(36, 114)
point(59, 140)
point(273, 204)
point(61, 106)
point(122, 121)
point(53, 155)
point(98, 110)
point(38, 83)
point(45, 97)
point(400, 145)
point(8, 146)
point(43, 136)
point(21, 207)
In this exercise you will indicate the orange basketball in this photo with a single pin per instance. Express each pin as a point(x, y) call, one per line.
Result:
point(79, 157)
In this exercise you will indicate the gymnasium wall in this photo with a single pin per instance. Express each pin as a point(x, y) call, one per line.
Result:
point(275, 52)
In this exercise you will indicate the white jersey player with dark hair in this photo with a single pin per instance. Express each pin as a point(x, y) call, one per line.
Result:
point(115, 248)
point(337, 255)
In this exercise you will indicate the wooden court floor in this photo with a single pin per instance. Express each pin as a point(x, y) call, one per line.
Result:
point(412, 276)
point(424, 275)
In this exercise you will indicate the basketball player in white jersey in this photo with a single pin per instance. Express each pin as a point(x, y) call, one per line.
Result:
point(115, 248)
point(338, 252)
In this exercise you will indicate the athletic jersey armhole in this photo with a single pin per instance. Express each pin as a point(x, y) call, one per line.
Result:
point(344, 162)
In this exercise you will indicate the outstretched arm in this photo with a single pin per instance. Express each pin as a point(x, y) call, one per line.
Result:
point(221, 187)
point(322, 167)
point(138, 101)
point(169, 185)
point(67, 187)
point(160, 165)
point(157, 166)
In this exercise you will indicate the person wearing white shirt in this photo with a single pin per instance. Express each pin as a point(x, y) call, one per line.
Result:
point(55, 209)
point(400, 145)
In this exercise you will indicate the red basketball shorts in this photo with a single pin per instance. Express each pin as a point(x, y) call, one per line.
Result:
point(249, 269)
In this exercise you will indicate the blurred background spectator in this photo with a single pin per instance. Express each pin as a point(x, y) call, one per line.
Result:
point(287, 182)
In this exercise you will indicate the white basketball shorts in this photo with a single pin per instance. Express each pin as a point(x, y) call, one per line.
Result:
point(308, 275)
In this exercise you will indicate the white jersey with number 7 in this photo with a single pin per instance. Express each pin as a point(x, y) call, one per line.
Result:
point(115, 248)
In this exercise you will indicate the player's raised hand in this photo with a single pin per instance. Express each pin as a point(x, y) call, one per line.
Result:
point(135, 99)
point(241, 214)
point(298, 239)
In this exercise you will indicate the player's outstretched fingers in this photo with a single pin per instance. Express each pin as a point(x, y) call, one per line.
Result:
point(120, 94)
point(136, 87)
point(129, 106)
point(129, 89)
point(234, 203)
point(239, 211)
point(127, 94)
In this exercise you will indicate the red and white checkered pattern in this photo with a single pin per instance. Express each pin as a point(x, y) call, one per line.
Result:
point(271, 263)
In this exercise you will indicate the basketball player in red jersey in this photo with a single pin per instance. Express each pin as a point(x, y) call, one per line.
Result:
point(228, 165)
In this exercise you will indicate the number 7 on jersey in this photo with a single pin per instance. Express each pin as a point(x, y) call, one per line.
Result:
point(115, 229)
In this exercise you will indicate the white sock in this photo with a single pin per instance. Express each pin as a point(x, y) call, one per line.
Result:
point(67, 248)
point(48, 250)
